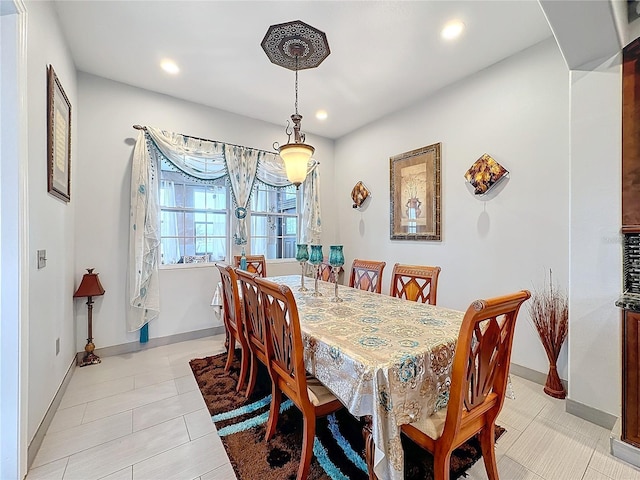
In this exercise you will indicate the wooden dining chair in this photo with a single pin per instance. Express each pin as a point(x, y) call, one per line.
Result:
point(233, 322)
point(415, 283)
point(367, 275)
point(478, 384)
point(254, 327)
point(285, 352)
point(255, 264)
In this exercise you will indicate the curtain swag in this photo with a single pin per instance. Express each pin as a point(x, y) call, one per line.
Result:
point(206, 161)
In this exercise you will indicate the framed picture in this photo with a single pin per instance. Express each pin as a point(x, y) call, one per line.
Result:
point(415, 194)
point(58, 138)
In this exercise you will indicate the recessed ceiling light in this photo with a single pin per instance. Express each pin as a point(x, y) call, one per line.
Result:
point(169, 66)
point(321, 115)
point(452, 30)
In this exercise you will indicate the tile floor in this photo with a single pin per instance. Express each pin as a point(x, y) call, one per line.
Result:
point(140, 416)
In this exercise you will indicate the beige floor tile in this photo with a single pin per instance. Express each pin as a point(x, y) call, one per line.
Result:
point(112, 368)
point(111, 457)
point(124, 474)
point(50, 471)
point(507, 439)
point(184, 462)
point(67, 418)
point(606, 464)
point(145, 379)
point(507, 470)
point(592, 474)
point(96, 391)
point(510, 469)
point(555, 412)
point(186, 384)
point(225, 472)
point(520, 412)
point(105, 407)
point(66, 442)
point(199, 423)
point(552, 451)
point(166, 409)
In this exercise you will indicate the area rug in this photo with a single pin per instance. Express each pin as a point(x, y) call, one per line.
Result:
point(338, 446)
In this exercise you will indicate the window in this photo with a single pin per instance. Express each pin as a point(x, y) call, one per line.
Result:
point(196, 219)
point(273, 226)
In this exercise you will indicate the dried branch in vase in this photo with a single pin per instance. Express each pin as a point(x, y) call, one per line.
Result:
point(549, 312)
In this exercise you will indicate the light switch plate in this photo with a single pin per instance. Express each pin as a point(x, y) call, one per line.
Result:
point(42, 258)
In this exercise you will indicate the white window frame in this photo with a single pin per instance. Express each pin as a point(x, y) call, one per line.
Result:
point(179, 179)
point(275, 216)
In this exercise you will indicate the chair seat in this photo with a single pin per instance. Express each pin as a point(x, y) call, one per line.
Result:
point(318, 393)
point(433, 425)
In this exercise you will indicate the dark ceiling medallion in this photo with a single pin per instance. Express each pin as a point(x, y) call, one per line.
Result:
point(286, 41)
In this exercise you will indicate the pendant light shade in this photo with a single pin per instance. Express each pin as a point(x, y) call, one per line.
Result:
point(296, 158)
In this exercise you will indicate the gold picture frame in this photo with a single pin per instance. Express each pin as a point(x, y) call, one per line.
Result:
point(58, 138)
point(415, 194)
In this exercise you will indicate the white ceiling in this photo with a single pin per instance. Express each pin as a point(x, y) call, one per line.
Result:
point(385, 55)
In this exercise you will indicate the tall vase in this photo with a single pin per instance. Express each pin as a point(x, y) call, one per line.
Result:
point(315, 259)
point(336, 260)
point(302, 255)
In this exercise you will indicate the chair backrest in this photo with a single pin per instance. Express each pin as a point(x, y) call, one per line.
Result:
point(366, 275)
point(325, 272)
point(481, 361)
point(255, 264)
point(230, 297)
point(254, 327)
point(415, 283)
point(284, 340)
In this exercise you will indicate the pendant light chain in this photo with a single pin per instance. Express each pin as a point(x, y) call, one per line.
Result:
point(296, 84)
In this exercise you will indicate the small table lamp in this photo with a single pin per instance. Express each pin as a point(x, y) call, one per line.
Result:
point(89, 287)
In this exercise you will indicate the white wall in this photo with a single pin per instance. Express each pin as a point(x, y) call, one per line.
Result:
point(14, 309)
point(518, 112)
point(51, 221)
point(102, 184)
point(596, 244)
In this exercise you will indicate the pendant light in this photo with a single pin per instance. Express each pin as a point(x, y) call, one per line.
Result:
point(296, 46)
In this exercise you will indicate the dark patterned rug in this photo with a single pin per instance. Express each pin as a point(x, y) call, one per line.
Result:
point(338, 448)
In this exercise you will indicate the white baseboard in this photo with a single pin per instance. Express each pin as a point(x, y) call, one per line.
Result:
point(623, 450)
point(153, 342)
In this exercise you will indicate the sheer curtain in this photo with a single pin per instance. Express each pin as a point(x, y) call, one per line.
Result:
point(203, 160)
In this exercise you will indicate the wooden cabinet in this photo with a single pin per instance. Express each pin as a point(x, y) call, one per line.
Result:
point(631, 378)
point(630, 138)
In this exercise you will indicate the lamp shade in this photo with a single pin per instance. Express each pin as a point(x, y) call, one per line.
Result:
point(89, 286)
point(296, 158)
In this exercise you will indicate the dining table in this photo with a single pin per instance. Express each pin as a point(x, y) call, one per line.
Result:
point(386, 359)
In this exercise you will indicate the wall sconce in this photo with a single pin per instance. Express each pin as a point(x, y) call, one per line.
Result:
point(89, 287)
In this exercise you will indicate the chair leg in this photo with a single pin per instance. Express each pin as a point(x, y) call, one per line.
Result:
point(369, 446)
point(274, 411)
point(309, 432)
point(487, 444)
point(244, 365)
point(253, 374)
point(231, 348)
point(441, 465)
